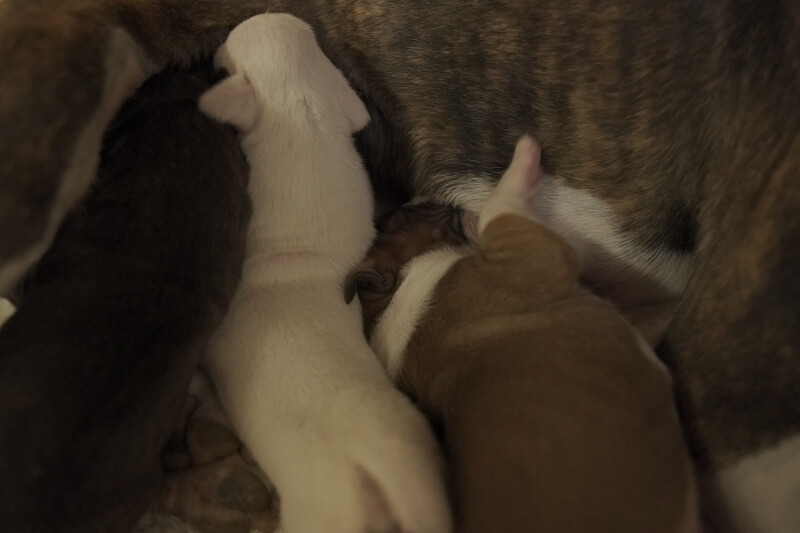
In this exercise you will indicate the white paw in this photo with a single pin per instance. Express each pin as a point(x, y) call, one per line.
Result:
point(359, 472)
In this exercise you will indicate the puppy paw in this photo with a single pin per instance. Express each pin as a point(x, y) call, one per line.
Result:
point(226, 496)
point(212, 483)
point(365, 473)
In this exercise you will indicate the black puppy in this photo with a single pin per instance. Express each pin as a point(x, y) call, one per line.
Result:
point(95, 365)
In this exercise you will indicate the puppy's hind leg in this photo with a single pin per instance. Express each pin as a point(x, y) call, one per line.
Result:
point(347, 452)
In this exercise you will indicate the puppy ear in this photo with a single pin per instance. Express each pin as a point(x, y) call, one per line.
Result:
point(367, 276)
point(353, 107)
point(232, 101)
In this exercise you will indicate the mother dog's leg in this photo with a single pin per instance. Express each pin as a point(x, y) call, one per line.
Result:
point(736, 342)
point(52, 119)
point(67, 67)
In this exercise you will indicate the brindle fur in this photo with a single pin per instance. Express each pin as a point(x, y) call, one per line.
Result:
point(95, 365)
point(681, 114)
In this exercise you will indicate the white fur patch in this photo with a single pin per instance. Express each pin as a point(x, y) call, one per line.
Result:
point(589, 225)
point(762, 492)
point(6, 310)
point(409, 305)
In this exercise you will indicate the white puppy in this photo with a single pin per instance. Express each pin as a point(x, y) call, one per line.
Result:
point(346, 451)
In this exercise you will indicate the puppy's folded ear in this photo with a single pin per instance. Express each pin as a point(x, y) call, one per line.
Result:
point(353, 107)
point(231, 101)
point(367, 276)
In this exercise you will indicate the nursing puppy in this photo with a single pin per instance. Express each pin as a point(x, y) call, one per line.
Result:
point(346, 451)
point(669, 129)
point(670, 134)
point(555, 414)
point(95, 364)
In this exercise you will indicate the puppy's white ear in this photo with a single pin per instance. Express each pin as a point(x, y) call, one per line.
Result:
point(232, 101)
point(353, 107)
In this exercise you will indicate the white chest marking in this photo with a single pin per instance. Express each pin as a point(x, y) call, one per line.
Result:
point(410, 305)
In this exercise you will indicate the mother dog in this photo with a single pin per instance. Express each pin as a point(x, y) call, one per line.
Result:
point(671, 129)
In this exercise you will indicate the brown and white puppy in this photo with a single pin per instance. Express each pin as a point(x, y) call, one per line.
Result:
point(670, 129)
point(95, 364)
point(555, 415)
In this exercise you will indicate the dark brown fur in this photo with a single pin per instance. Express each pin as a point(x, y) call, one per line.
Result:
point(95, 365)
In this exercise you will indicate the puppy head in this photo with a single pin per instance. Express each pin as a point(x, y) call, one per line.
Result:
point(408, 232)
point(276, 66)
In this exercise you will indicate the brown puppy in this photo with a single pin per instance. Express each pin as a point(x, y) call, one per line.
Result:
point(555, 416)
point(670, 128)
point(95, 364)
